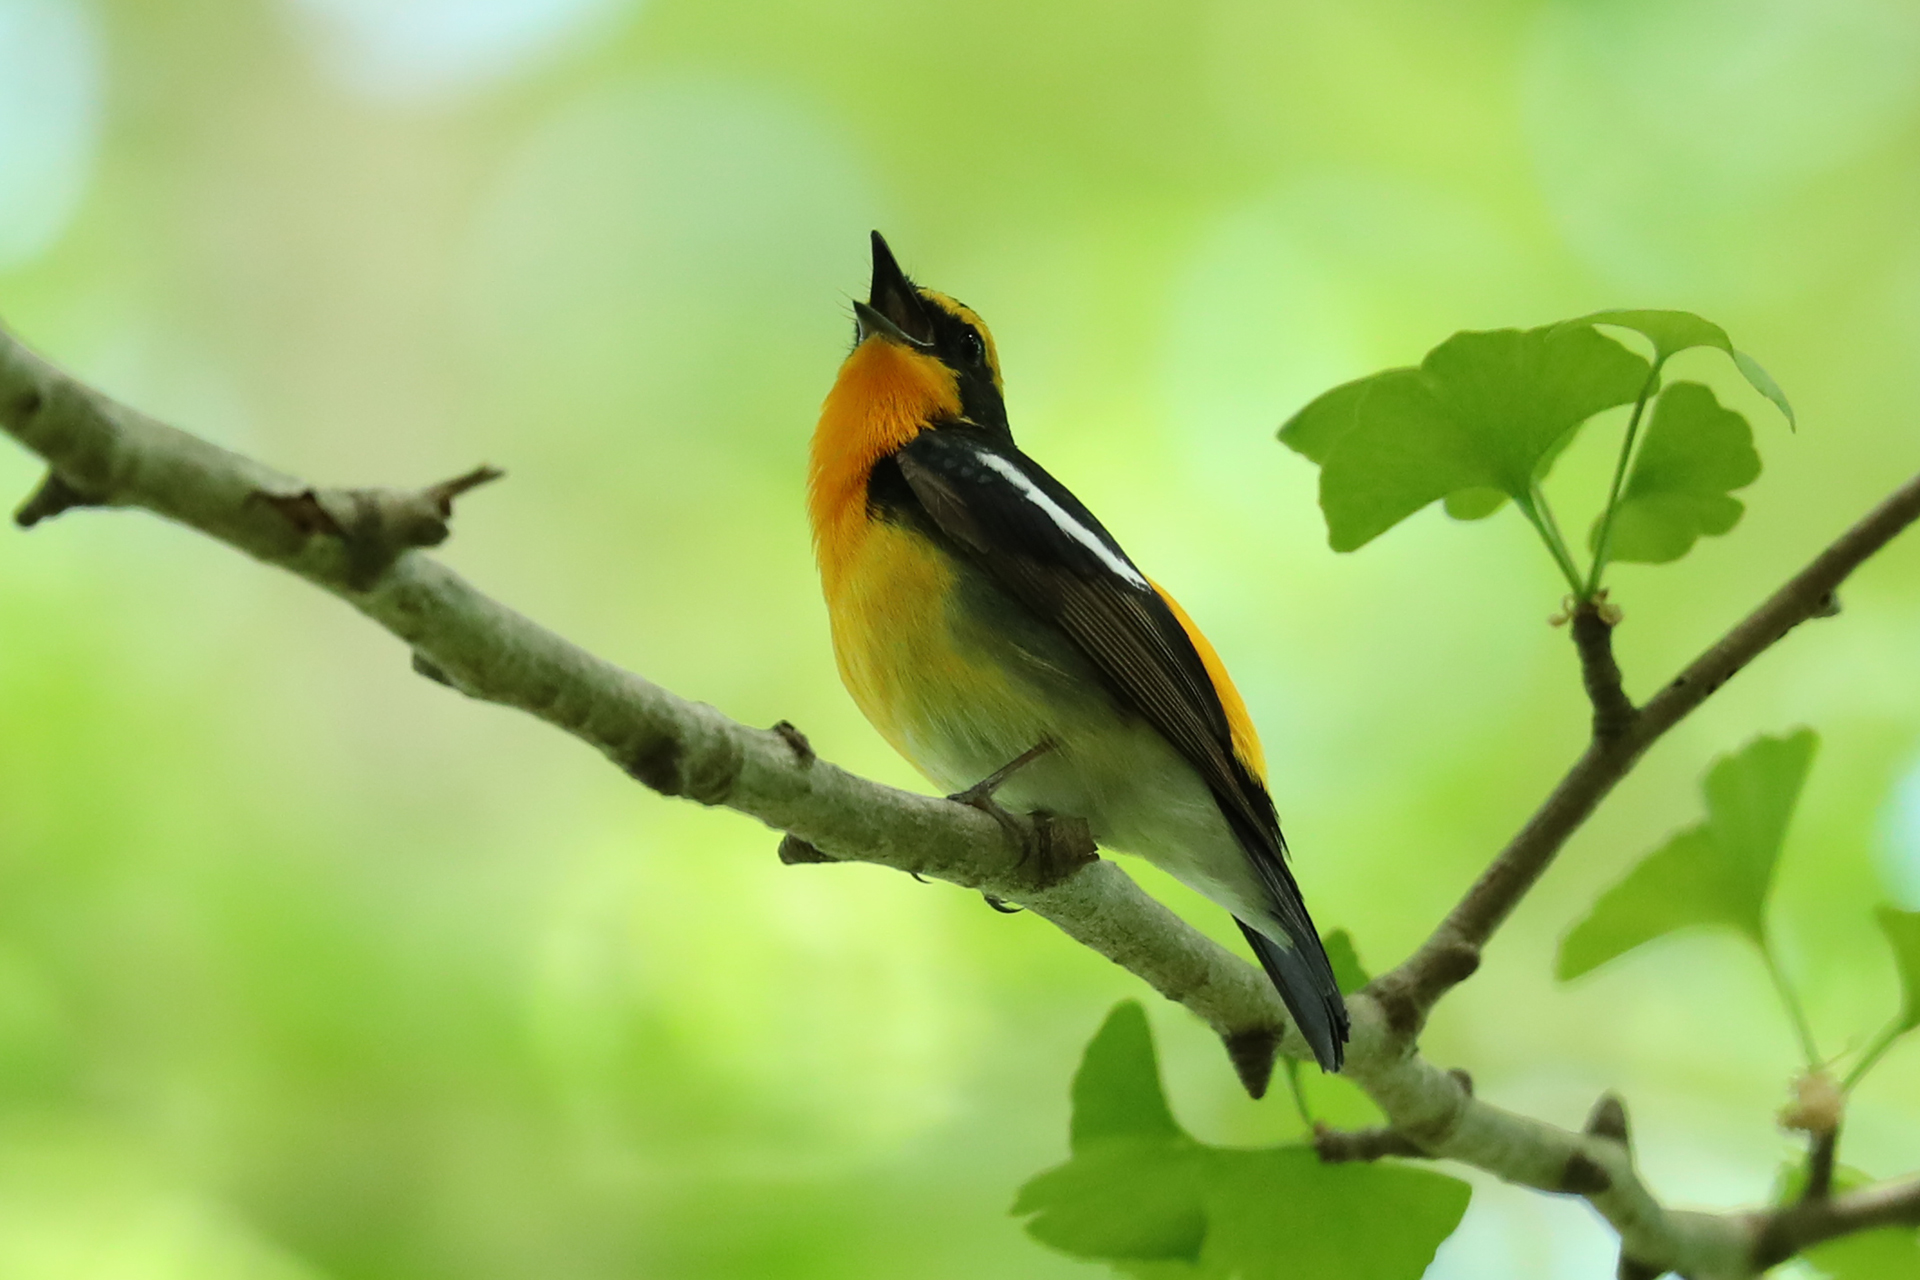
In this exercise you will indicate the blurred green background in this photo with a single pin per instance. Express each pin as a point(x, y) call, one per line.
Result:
point(309, 968)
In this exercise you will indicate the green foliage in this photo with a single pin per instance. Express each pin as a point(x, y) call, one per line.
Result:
point(1113, 1098)
point(1485, 415)
point(1694, 452)
point(1142, 1194)
point(1348, 972)
point(1903, 934)
point(1716, 873)
point(1889, 1254)
point(1484, 411)
point(1672, 332)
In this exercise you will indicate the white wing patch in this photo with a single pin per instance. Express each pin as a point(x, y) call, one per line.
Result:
point(1064, 522)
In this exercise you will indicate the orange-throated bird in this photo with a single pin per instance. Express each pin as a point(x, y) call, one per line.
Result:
point(983, 618)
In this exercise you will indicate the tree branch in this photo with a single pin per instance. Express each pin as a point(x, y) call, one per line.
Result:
point(1593, 622)
point(362, 545)
point(1780, 1235)
point(359, 545)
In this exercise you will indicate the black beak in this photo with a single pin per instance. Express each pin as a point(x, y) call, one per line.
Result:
point(893, 308)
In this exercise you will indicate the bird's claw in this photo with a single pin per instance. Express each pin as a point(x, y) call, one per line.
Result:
point(1051, 849)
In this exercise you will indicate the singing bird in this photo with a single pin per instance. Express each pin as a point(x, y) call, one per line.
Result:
point(983, 618)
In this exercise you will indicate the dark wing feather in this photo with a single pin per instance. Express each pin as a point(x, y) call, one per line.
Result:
point(1087, 587)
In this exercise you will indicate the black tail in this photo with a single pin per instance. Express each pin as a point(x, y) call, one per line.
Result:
point(1304, 979)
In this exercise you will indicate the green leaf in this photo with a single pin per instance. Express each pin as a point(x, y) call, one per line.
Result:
point(1348, 973)
point(1675, 331)
point(1483, 411)
point(1141, 1194)
point(1694, 451)
point(1116, 1092)
point(1474, 504)
point(1892, 1253)
point(1137, 1200)
point(1716, 873)
point(1763, 382)
point(1670, 332)
point(1282, 1215)
point(1314, 430)
point(1887, 1254)
point(1903, 934)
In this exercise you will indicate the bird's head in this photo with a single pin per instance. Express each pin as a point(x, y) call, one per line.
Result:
point(931, 337)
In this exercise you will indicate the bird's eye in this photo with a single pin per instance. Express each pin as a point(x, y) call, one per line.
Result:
point(975, 349)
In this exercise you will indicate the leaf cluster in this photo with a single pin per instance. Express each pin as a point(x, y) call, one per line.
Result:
point(1483, 418)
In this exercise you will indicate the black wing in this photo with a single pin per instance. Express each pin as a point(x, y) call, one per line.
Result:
point(1001, 510)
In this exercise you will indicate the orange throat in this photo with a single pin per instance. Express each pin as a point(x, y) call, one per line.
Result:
point(884, 397)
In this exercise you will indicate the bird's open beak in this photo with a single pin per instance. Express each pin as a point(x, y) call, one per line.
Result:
point(893, 309)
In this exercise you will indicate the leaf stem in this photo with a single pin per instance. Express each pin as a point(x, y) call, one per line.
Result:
point(1604, 543)
point(1534, 508)
point(1881, 1043)
point(1796, 1014)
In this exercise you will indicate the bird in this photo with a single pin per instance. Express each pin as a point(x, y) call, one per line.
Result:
point(999, 638)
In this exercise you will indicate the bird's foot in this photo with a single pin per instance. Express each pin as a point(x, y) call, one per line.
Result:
point(980, 795)
point(1051, 848)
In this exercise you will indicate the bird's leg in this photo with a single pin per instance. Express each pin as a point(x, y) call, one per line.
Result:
point(1041, 838)
point(980, 794)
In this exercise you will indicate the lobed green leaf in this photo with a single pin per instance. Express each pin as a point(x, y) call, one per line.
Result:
point(1282, 1214)
point(1127, 1200)
point(1484, 411)
point(1474, 504)
point(1693, 452)
point(1486, 414)
point(1717, 873)
point(1141, 1194)
point(1116, 1092)
point(1672, 332)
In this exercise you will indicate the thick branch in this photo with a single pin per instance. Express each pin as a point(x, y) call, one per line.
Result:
point(1607, 759)
point(358, 544)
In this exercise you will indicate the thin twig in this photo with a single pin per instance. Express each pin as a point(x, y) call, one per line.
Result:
point(1821, 1150)
point(1783, 1233)
point(1808, 594)
point(1613, 711)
